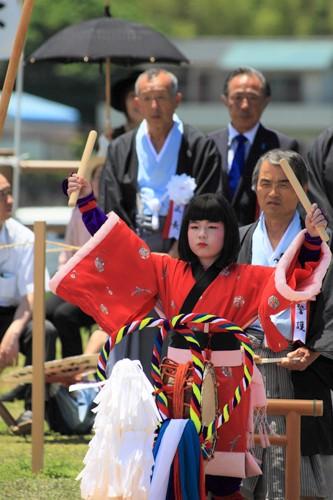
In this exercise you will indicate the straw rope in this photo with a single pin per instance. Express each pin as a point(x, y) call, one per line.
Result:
point(62, 246)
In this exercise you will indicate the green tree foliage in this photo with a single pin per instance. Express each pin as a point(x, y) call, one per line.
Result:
point(81, 85)
point(189, 18)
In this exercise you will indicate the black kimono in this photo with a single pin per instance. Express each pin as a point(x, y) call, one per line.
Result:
point(198, 157)
point(320, 159)
point(316, 381)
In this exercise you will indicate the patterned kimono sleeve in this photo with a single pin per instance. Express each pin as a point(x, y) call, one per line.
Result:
point(112, 277)
point(290, 284)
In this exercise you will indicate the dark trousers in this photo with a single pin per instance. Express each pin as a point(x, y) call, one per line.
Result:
point(68, 320)
point(25, 342)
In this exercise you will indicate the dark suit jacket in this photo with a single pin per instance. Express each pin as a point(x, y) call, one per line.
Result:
point(244, 199)
point(321, 172)
point(314, 382)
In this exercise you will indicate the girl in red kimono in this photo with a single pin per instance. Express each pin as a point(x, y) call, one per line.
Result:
point(116, 279)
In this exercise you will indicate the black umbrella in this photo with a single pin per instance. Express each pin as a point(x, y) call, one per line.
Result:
point(124, 42)
point(106, 39)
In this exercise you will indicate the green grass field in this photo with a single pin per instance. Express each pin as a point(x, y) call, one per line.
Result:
point(63, 460)
point(63, 457)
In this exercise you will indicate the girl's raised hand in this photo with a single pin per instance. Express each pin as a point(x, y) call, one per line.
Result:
point(77, 183)
point(315, 218)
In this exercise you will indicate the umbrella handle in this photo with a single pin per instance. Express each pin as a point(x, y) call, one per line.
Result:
point(289, 173)
point(84, 164)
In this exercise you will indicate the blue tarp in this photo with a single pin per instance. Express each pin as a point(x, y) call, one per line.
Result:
point(38, 109)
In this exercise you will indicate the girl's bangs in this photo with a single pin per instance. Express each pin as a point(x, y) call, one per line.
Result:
point(205, 208)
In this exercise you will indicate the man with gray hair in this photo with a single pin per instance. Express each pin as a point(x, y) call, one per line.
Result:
point(306, 371)
point(246, 94)
point(141, 162)
point(140, 165)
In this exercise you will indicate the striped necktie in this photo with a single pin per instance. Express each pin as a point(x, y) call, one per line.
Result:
point(238, 162)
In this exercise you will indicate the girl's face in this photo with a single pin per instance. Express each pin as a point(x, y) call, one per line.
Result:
point(206, 240)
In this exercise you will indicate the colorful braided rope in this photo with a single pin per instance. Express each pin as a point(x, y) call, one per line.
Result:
point(184, 324)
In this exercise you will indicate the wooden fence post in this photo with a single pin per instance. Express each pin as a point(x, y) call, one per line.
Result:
point(292, 409)
point(38, 349)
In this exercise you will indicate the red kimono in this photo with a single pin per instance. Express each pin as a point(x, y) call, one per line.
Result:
point(116, 279)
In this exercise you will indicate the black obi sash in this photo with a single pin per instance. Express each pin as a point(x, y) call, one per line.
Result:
point(214, 341)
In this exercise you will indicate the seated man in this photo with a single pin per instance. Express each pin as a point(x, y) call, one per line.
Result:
point(16, 294)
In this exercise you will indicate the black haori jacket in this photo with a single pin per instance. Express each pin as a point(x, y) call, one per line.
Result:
point(316, 381)
point(198, 157)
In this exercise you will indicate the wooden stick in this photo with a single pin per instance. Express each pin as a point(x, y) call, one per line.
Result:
point(83, 168)
point(7, 416)
point(14, 60)
point(38, 348)
point(264, 361)
point(46, 165)
point(304, 200)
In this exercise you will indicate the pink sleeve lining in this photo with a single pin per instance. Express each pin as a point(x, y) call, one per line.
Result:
point(312, 286)
point(112, 220)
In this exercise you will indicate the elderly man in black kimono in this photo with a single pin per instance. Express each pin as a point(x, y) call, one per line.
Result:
point(147, 157)
point(139, 166)
point(307, 372)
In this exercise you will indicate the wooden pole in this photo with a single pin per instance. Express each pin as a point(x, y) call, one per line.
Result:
point(14, 60)
point(83, 168)
point(293, 456)
point(290, 174)
point(292, 409)
point(38, 349)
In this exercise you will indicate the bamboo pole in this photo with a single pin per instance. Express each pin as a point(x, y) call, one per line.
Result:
point(84, 164)
point(301, 195)
point(47, 165)
point(38, 349)
point(14, 60)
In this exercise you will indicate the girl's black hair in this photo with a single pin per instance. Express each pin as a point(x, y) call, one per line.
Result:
point(214, 208)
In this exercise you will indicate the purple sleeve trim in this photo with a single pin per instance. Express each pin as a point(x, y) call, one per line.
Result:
point(314, 240)
point(83, 201)
point(64, 186)
point(308, 254)
point(93, 219)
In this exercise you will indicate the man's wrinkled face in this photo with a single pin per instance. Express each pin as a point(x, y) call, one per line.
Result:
point(6, 199)
point(156, 101)
point(245, 101)
point(276, 196)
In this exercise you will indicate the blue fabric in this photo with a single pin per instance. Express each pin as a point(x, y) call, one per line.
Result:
point(238, 162)
point(156, 169)
point(160, 437)
point(189, 463)
point(263, 253)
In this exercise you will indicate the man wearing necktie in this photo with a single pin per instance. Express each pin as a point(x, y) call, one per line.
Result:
point(246, 94)
point(237, 165)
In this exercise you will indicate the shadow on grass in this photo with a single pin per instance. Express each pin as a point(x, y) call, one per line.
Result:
point(60, 439)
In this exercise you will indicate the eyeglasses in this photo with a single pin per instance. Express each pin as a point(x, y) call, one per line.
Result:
point(4, 193)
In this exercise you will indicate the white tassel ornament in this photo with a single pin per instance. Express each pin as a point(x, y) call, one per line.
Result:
point(119, 461)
